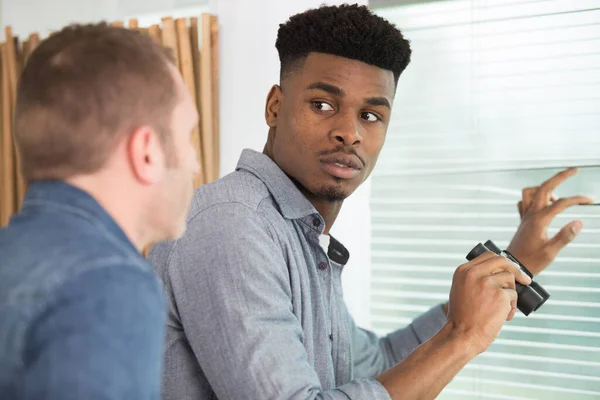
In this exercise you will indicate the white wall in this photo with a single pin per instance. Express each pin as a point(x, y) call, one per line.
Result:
point(249, 66)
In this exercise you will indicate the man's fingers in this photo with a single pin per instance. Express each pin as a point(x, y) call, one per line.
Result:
point(497, 265)
point(542, 196)
point(528, 194)
point(512, 296)
point(505, 279)
point(561, 205)
point(563, 237)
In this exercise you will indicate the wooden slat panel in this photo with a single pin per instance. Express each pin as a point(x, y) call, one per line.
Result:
point(195, 46)
point(11, 60)
point(169, 37)
point(215, 93)
point(13, 73)
point(7, 202)
point(155, 33)
point(133, 23)
point(206, 102)
point(3, 191)
point(187, 70)
point(34, 41)
point(25, 52)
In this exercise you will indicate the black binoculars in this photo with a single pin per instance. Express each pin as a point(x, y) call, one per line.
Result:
point(530, 297)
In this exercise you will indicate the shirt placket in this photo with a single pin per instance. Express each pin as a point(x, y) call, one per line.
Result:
point(341, 338)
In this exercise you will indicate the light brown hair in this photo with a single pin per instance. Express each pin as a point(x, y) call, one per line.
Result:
point(81, 90)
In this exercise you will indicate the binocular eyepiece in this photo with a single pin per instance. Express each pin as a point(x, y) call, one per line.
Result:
point(529, 298)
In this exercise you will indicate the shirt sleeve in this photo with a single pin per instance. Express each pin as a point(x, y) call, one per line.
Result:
point(233, 299)
point(100, 338)
point(372, 354)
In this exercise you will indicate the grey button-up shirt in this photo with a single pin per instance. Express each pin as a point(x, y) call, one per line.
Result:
point(256, 308)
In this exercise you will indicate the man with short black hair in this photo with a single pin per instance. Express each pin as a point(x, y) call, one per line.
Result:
point(255, 297)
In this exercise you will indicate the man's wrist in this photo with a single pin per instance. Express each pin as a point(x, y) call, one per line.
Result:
point(463, 345)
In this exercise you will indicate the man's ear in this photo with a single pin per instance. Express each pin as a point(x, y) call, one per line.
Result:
point(272, 106)
point(146, 155)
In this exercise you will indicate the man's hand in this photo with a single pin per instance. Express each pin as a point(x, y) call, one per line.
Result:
point(483, 297)
point(531, 244)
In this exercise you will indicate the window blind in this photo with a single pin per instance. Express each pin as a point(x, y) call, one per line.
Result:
point(500, 95)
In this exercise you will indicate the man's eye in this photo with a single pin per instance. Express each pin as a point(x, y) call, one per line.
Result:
point(369, 116)
point(322, 106)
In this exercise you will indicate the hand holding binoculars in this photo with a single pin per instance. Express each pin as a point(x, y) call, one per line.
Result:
point(529, 298)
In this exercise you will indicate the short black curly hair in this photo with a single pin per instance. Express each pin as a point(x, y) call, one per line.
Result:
point(349, 31)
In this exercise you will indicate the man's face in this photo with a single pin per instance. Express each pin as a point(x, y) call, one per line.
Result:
point(328, 123)
point(177, 187)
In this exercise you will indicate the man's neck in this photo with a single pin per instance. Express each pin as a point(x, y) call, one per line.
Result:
point(118, 210)
point(328, 210)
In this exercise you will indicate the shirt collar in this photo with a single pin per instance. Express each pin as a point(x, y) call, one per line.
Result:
point(70, 199)
point(292, 203)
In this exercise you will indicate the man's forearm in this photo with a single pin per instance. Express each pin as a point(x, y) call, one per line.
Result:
point(424, 373)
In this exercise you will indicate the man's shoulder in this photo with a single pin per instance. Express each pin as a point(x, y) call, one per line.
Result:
point(232, 206)
point(240, 187)
point(59, 252)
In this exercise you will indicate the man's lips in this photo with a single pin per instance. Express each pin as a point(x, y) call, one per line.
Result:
point(340, 165)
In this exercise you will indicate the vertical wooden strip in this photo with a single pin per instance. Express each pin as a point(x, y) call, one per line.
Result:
point(155, 33)
point(206, 102)
point(34, 41)
point(25, 53)
point(215, 93)
point(195, 46)
point(133, 23)
point(22, 54)
point(11, 59)
point(187, 71)
point(3, 190)
point(13, 73)
point(7, 202)
point(169, 37)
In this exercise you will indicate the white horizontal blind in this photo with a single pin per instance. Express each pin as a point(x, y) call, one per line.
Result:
point(496, 90)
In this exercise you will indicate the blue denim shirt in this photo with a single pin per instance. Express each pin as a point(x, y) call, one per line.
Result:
point(256, 308)
point(81, 312)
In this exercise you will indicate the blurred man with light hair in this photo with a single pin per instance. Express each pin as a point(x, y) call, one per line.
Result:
point(103, 123)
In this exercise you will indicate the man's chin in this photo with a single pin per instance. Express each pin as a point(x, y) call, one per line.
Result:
point(333, 194)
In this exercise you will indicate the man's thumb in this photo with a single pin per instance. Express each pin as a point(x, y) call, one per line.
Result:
point(565, 236)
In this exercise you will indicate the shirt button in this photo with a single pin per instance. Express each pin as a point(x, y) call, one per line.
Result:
point(316, 222)
point(322, 265)
point(331, 337)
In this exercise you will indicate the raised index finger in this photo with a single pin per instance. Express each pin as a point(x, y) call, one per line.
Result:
point(542, 196)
